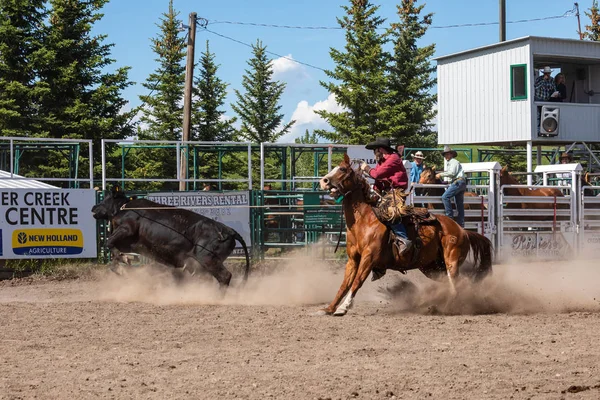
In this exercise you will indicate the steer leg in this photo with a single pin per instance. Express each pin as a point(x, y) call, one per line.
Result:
point(214, 266)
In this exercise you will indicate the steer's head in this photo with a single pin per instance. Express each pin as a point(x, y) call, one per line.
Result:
point(339, 180)
point(112, 203)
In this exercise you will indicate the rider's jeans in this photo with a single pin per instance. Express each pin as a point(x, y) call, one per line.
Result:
point(457, 190)
point(400, 230)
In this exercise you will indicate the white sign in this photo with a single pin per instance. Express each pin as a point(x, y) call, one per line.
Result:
point(543, 245)
point(229, 208)
point(47, 223)
point(361, 153)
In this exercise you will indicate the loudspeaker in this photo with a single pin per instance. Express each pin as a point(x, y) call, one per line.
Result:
point(549, 120)
point(580, 74)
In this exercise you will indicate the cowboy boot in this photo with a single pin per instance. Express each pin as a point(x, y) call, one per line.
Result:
point(403, 245)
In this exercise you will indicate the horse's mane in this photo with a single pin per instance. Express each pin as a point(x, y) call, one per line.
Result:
point(361, 182)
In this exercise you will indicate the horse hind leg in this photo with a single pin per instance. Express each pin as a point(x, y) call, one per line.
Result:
point(452, 259)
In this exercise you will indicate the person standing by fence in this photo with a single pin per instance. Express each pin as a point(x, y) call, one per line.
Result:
point(454, 175)
point(416, 166)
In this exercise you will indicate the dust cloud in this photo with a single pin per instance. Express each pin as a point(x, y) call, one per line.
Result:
point(515, 287)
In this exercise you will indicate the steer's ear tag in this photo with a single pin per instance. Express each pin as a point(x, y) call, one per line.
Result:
point(339, 199)
point(131, 198)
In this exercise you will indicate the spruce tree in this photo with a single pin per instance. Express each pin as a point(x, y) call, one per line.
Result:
point(409, 103)
point(162, 109)
point(20, 39)
point(162, 113)
point(358, 80)
point(209, 123)
point(258, 108)
point(593, 30)
point(81, 99)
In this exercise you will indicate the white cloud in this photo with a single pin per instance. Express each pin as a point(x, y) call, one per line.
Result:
point(283, 65)
point(306, 118)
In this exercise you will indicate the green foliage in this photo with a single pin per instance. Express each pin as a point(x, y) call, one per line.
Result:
point(209, 123)
point(592, 31)
point(258, 107)
point(358, 78)
point(162, 112)
point(410, 105)
point(80, 99)
point(383, 93)
point(20, 40)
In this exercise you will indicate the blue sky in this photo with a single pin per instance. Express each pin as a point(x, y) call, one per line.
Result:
point(130, 24)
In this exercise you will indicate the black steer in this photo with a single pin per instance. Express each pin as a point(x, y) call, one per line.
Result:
point(172, 236)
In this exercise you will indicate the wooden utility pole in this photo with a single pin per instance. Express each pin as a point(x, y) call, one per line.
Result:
point(502, 20)
point(578, 21)
point(187, 99)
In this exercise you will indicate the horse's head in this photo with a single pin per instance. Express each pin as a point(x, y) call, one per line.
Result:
point(428, 176)
point(341, 179)
point(506, 178)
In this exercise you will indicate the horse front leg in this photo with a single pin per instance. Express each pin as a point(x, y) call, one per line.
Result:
point(364, 269)
point(349, 274)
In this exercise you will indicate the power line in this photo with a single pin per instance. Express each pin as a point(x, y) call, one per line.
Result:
point(565, 15)
point(266, 51)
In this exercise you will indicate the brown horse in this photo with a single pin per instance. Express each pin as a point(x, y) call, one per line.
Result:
point(428, 178)
point(443, 248)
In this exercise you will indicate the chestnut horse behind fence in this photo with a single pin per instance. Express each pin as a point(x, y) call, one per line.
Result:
point(428, 178)
point(443, 248)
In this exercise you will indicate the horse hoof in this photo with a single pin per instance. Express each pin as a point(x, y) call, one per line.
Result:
point(339, 313)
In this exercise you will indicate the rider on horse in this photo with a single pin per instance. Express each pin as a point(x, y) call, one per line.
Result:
point(389, 174)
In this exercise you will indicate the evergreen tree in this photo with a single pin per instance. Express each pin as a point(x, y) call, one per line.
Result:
point(258, 108)
point(359, 79)
point(20, 39)
point(162, 113)
point(80, 99)
point(593, 30)
point(409, 102)
point(209, 118)
point(162, 110)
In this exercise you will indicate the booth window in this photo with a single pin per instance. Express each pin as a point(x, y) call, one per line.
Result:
point(518, 82)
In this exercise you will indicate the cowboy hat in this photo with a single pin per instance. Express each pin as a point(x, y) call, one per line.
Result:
point(448, 149)
point(566, 155)
point(380, 142)
point(547, 70)
point(418, 154)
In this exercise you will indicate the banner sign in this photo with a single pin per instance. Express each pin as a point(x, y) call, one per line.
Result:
point(229, 208)
point(543, 245)
point(47, 223)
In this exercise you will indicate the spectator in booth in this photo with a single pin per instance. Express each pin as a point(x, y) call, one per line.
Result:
point(544, 88)
point(416, 166)
point(454, 175)
point(561, 89)
point(565, 158)
point(389, 174)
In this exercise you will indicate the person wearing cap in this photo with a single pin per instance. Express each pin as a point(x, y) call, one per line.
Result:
point(454, 175)
point(565, 158)
point(389, 174)
point(416, 166)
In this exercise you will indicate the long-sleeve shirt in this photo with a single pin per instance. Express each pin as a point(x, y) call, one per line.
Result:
point(390, 172)
point(415, 172)
point(543, 88)
point(452, 170)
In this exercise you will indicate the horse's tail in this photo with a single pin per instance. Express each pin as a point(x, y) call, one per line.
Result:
point(482, 254)
point(240, 239)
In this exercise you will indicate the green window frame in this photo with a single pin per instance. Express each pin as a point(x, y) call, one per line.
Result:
point(518, 82)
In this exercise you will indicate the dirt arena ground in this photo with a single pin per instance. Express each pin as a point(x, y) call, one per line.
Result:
point(529, 332)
